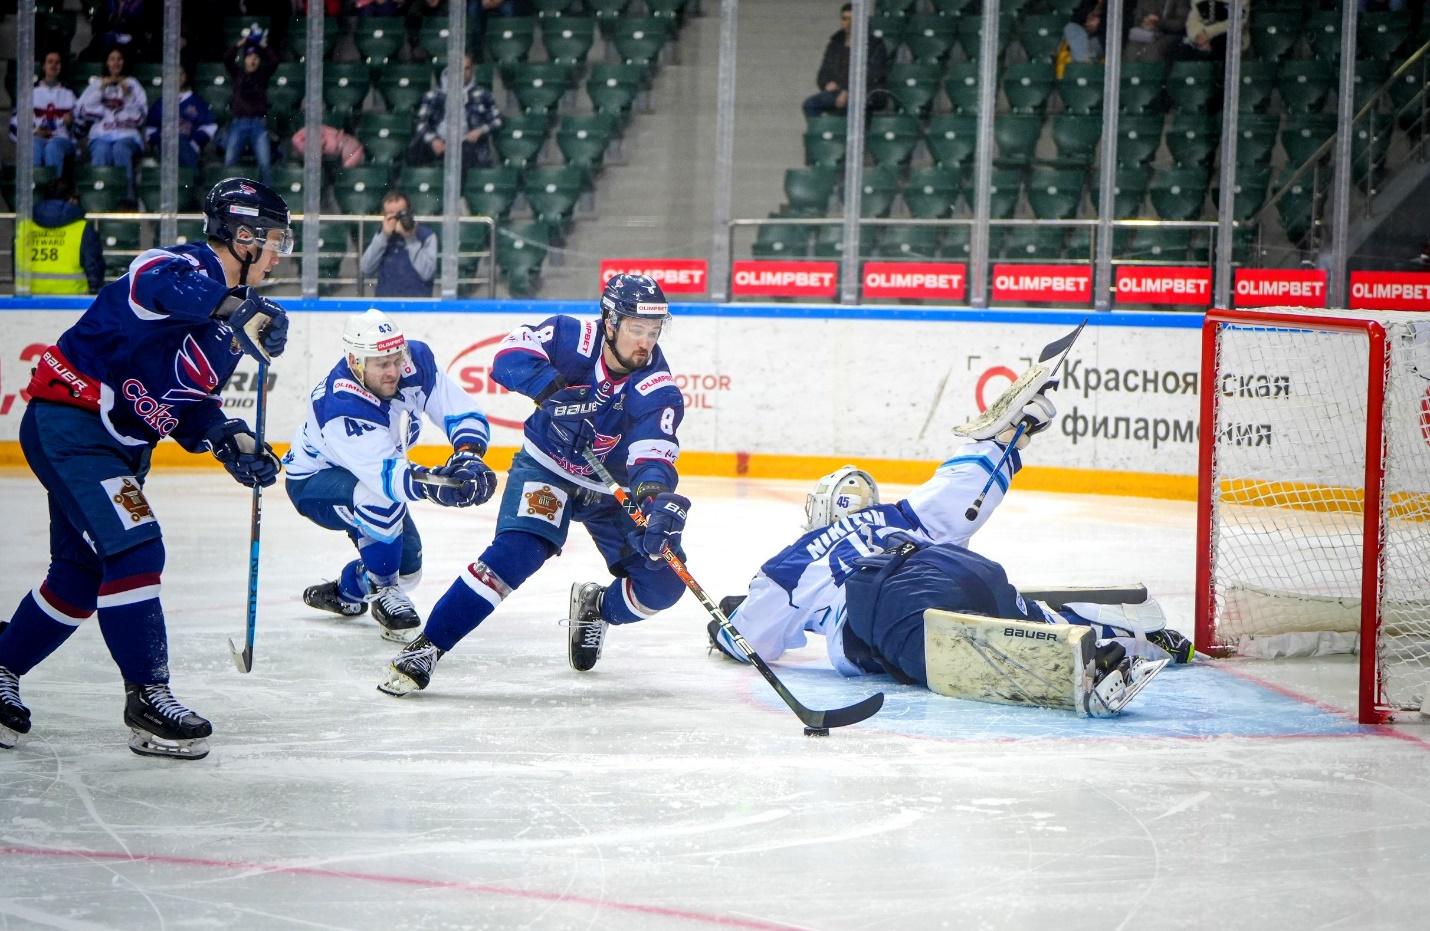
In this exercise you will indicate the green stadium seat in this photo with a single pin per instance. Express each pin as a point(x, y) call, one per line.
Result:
point(1054, 194)
point(1192, 138)
point(210, 81)
point(1034, 243)
point(877, 192)
point(1323, 33)
point(1159, 244)
point(607, 13)
point(890, 140)
point(100, 187)
point(829, 241)
point(895, 7)
point(1040, 35)
point(359, 189)
point(825, 141)
point(1255, 138)
point(385, 136)
point(555, 8)
point(1370, 76)
point(298, 37)
point(432, 36)
point(931, 193)
point(1015, 136)
point(969, 33)
point(509, 39)
point(889, 29)
point(961, 86)
point(521, 138)
point(638, 40)
point(1076, 137)
point(1274, 33)
point(1191, 85)
point(121, 243)
point(1138, 137)
point(1077, 244)
point(1302, 135)
point(378, 37)
point(189, 231)
point(951, 139)
point(402, 87)
point(1129, 189)
point(423, 185)
point(913, 86)
point(583, 140)
point(1178, 193)
point(568, 39)
point(957, 243)
point(1296, 207)
point(287, 180)
point(1081, 87)
point(1305, 85)
point(928, 38)
point(1380, 34)
point(614, 88)
point(673, 10)
point(490, 192)
point(781, 241)
point(810, 187)
point(1252, 183)
point(1407, 97)
point(952, 7)
point(1370, 140)
point(540, 87)
point(149, 193)
point(473, 241)
point(907, 242)
point(521, 250)
point(552, 193)
point(1003, 200)
point(1028, 86)
point(345, 86)
point(1140, 88)
point(1258, 80)
point(150, 77)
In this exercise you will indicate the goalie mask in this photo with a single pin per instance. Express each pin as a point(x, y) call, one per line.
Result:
point(372, 335)
point(843, 491)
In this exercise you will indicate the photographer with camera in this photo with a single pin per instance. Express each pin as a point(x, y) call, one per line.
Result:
point(403, 254)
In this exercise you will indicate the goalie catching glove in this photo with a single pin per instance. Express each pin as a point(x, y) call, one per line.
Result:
point(233, 444)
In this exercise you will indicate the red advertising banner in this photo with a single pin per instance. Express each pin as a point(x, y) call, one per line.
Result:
point(758, 278)
point(1390, 290)
point(947, 281)
point(1279, 287)
point(1164, 284)
point(675, 276)
point(1071, 283)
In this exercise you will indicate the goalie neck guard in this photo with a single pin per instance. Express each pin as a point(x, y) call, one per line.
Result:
point(843, 491)
point(372, 335)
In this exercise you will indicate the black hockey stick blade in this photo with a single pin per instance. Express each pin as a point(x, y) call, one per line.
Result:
point(1103, 595)
point(439, 481)
point(243, 659)
point(1061, 345)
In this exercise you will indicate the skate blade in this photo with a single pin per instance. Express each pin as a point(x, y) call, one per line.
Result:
point(8, 738)
point(1146, 672)
point(398, 635)
point(146, 744)
point(397, 684)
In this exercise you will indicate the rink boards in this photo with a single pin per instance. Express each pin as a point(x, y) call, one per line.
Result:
point(777, 391)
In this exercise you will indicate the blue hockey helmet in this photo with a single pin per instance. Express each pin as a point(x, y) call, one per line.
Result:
point(241, 211)
point(633, 297)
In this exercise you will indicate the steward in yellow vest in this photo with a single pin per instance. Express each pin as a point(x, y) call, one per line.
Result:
point(59, 248)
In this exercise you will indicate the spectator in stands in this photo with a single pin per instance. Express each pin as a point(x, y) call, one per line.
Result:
point(136, 26)
point(1086, 32)
point(481, 119)
point(338, 145)
point(196, 122)
point(833, 78)
point(54, 116)
point(403, 254)
point(59, 248)
point(250, 66)
point(114, 108)
point(1157, 29)
point(1207, 25)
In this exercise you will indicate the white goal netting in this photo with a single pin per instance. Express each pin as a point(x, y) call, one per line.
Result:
point(1288, 493)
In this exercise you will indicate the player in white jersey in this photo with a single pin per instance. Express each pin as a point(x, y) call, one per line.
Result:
point(863, 572)
point(348, 468)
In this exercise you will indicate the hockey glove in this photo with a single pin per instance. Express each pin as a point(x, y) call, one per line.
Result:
point(260, 327)
point(664, 520)
point(467, 460)
point(458, 485)
point(571, 410)
point(233, 444)
point(1037, 415)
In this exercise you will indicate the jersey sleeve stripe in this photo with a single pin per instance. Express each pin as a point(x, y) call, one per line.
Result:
point(984, 463)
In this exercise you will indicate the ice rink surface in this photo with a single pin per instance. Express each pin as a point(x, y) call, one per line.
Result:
point(671, 789)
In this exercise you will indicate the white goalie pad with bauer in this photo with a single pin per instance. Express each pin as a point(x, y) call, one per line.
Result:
point(1022, 663)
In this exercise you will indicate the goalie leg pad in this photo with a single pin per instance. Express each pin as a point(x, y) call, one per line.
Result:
point(1007, 662)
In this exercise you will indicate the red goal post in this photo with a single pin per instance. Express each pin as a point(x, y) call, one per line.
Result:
point(1313, 511)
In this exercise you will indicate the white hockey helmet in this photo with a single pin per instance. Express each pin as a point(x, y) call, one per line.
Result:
point(370, 335)
point(845, 490)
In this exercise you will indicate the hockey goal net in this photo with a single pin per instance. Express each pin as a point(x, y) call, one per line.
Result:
point(1313, 530)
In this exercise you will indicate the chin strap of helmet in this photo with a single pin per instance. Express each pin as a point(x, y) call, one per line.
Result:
point(625, 366)
point(243, 264)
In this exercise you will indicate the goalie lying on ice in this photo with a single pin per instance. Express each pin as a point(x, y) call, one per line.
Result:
point(894, 589)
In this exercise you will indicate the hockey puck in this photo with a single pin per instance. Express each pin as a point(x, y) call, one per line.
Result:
point(816, 732)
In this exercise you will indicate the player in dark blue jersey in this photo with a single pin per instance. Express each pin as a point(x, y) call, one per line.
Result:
point(146, 360)
point(348, 468)
point(599, 385)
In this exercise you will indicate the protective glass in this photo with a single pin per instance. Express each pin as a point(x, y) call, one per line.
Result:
point(640, 329)
point(281, 244)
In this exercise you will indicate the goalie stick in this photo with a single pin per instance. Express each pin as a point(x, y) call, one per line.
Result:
point(1097, 594)
point(1050, 361)
point(812, 718)
point(243, 659)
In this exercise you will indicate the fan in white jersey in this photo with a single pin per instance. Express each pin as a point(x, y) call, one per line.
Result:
point(348, 467)
point(863, 572)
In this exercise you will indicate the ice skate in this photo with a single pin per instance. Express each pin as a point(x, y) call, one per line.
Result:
point(162, 726)
point(1117, 680)
point(715, 633)
point(411, 670)
point(586, 629)
point(394, 613)
point(14, 716)
point(326, 597)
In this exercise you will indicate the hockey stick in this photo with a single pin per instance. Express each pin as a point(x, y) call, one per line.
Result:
point(1055, 352)
point(243, 659)
point(814, 721)
point(1103, 595)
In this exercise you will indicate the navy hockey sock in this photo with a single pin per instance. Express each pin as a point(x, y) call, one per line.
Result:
point(511, 559)
point(352, 583)
point(130, 616)
point(42, 622)
point(382, 558)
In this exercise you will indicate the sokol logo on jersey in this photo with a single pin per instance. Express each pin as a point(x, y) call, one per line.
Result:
point(159, 416)
point(195, 374)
